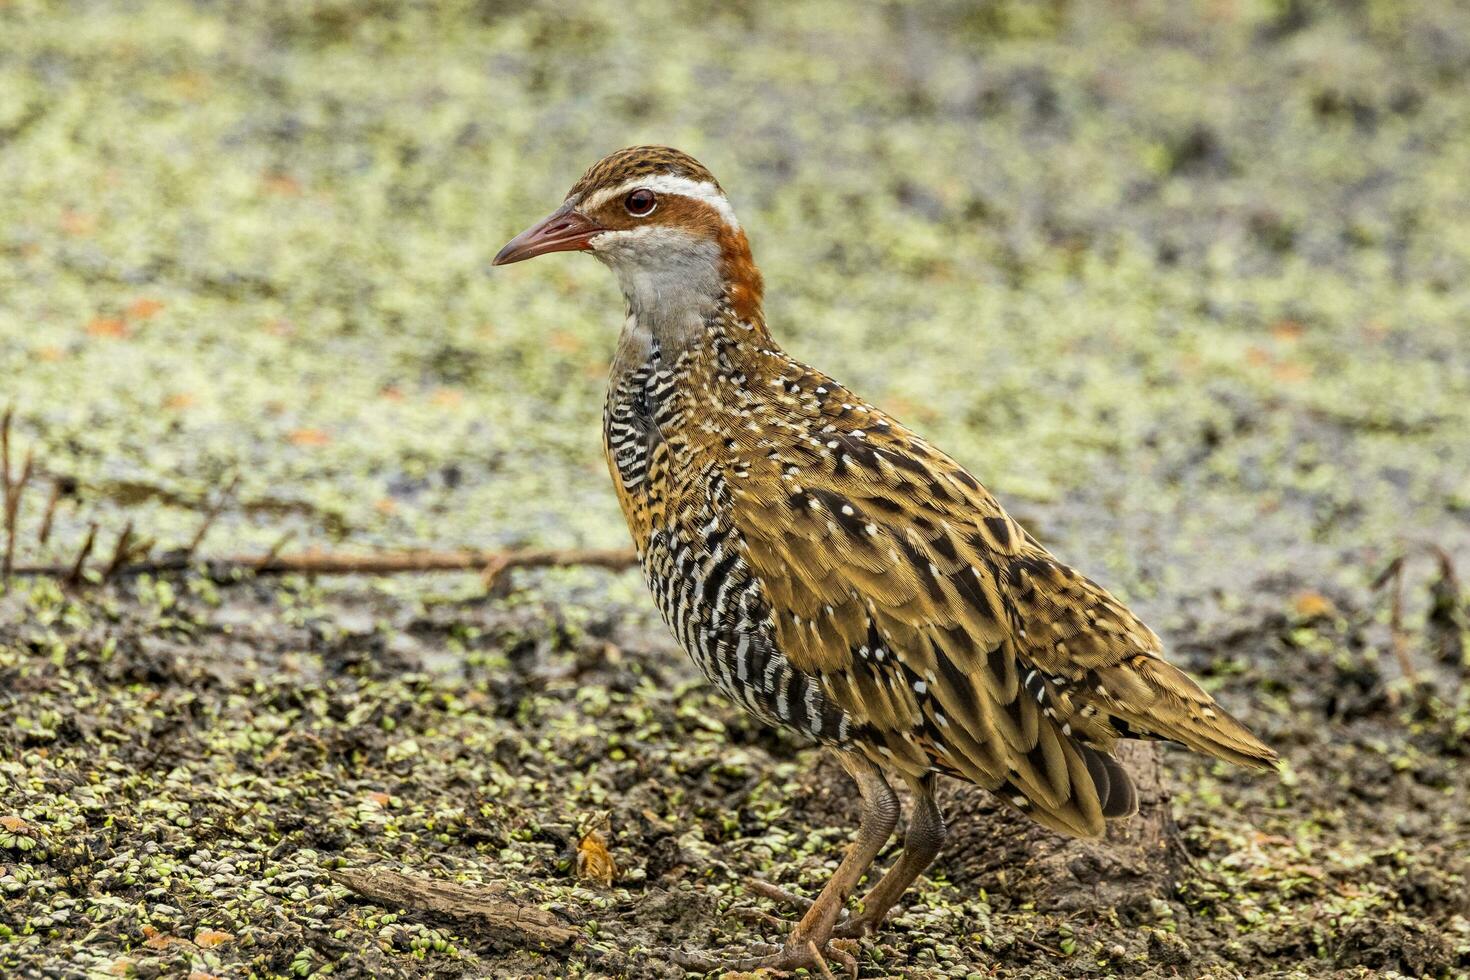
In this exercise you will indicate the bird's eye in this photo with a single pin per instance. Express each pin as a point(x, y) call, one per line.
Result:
point(640, 202)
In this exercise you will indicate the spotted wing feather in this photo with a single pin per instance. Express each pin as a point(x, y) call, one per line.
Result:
point(950, 636)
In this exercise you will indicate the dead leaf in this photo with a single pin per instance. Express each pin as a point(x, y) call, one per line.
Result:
point(190, 85)
point(1291, 371)
point(380, 800)
point(210, 938)
point(1310, 604)
point(143, 308)
point(78, 224)
point(1287, 331)
point(281, 184)
point(309, 437)
point(179, 401)
point(594, 861)
point(107, 326)
point(154, 939)
point(448, 397)
point(14, 824)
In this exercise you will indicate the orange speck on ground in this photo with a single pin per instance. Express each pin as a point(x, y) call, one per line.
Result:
point(309, 437)
point(107, 326)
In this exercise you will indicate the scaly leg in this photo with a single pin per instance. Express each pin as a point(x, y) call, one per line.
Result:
point(921, 843)
point(805, 946)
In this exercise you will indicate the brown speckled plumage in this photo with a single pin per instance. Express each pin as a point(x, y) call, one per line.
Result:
point(835, 574)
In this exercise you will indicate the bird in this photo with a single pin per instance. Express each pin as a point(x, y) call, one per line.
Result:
point(836, 575)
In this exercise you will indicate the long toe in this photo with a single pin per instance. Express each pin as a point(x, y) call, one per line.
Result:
point(799, 954)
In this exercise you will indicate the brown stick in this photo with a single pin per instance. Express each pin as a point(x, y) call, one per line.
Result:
point(14, 490)
point(484, 906)
point(5, 492)
point(270, 556)
point(5, 421)
point(225, 497)
point(1398, 636)
point(385, 563)
point(52, 502)
point(119, 552)
point(73, 575)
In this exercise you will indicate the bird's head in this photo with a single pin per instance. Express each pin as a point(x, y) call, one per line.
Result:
point(661, 222)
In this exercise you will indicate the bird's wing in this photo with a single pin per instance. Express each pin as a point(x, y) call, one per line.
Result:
point(951, 637)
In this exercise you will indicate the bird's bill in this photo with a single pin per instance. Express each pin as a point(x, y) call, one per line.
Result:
point(564, 230)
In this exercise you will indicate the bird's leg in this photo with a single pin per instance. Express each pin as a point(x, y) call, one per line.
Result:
point(880, 816)
point(921, 843)
point(807, 942)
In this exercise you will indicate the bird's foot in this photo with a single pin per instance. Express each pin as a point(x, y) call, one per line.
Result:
point(799, 953)
point(849, 925)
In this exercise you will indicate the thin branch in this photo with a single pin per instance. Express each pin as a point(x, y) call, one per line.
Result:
point(1393, 576)
point(269, 561)
point(485, 906)
point(58, 491)
point(14, 490)
point(5, 421)
point(1448, 623)
point(224, 498)
point(119, 552)
point(384, 563)
point(72, 576)
point(5, 487)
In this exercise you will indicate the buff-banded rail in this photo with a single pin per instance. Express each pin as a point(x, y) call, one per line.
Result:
point(836, 575)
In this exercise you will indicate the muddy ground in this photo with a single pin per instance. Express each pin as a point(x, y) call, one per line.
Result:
point(185, 763)
point(1187, 284)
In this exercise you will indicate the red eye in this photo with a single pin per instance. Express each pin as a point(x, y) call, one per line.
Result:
point(640, 202)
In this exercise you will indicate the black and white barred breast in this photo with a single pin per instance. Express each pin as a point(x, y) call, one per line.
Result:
point(693, 564)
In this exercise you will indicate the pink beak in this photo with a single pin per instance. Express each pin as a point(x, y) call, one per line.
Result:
point(564, 230)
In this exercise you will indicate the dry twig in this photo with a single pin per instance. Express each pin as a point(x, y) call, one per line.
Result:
point(483, 906)
point(11, 490)
point(16, 489)
point(119, 552)
point(73, 574)
point(334, 563)
point(226, 495)
point(60, 489)
point(1398, 636)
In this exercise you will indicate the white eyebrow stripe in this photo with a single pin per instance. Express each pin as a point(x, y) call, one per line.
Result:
point(699, 190)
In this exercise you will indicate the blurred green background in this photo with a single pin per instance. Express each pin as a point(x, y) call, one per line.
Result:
point(1203, 266)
